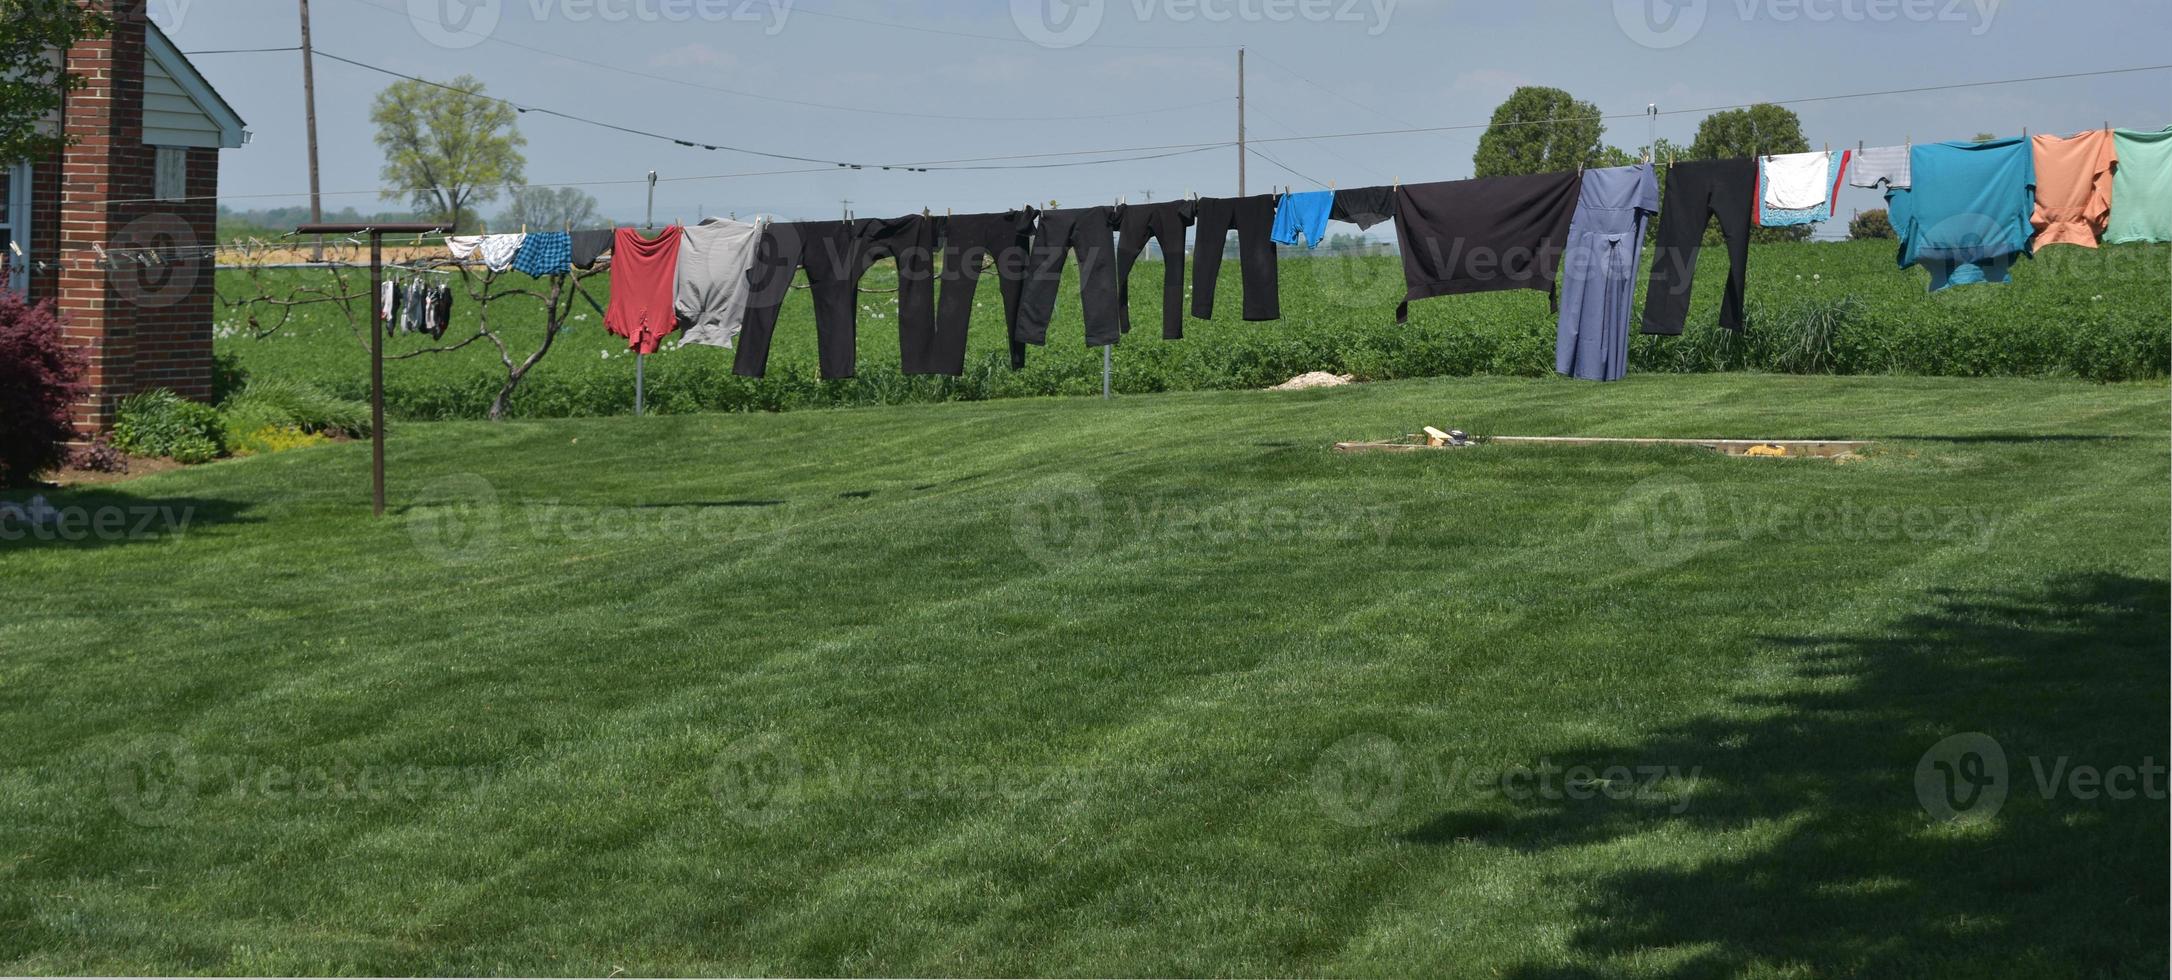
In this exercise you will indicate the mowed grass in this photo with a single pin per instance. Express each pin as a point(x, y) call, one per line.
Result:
point(1157, 686)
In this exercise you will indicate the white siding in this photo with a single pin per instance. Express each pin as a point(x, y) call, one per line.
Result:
point(170, 117)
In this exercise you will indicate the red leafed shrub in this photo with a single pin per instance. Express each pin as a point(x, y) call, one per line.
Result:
point(40, 376)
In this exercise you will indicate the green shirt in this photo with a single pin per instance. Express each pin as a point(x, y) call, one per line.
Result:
point(2141, 187)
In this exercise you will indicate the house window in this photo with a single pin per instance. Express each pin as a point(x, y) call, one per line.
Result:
point(170, 174)
point(15, 226)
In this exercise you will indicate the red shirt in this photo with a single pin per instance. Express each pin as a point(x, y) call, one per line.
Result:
point(642, 273)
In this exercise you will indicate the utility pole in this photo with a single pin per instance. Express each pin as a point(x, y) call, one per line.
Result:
point(309, 108)
point(1240, 122)
point(846, 206)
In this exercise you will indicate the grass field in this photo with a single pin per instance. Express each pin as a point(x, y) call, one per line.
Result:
point(1158, 686)
point(1827, 308)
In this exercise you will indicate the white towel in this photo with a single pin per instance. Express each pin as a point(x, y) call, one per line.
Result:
point(1797, 180)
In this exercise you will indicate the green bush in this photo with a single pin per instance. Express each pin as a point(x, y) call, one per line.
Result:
point(161, 423)
point(296, 404)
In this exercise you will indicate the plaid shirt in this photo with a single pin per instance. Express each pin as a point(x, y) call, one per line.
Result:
point(547, 253)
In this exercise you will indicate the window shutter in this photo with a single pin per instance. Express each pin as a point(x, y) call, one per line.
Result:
point(170, 174)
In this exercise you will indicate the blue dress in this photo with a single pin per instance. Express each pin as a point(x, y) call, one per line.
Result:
point(1599, 270)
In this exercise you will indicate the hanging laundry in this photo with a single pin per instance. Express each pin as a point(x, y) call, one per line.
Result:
point(1876, 165)
point(387, 301)
point(1253, 219)
point(416, 313)
point(2073, 187)
point(1164, 224)
point(464, 247)
point(1796, 181)
point(1969, 218)
point(586, 247)
point(2141, 187)
point(1772, 217)
point(642, 273)
point(711, 282)
point(1004, 240)
point(835, 255)
point(443, 317)
point(1088, 233)
point(544, 254)
point(1303, 214)
point(1473, 236)
point(1697, 191)
point(1599, 270)
point(498, 250)
point(1364, 206)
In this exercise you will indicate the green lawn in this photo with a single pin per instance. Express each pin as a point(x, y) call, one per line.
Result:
point(1159, 686)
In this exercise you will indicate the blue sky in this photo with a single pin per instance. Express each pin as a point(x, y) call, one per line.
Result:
point(1048, 76)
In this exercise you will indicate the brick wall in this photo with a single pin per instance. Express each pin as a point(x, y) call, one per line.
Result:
point(141, 326)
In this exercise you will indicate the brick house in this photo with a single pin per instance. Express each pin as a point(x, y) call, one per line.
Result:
point(140, 183)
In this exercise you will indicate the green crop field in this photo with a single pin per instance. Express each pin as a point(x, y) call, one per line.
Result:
point(1157, 686)
point(1825, 308)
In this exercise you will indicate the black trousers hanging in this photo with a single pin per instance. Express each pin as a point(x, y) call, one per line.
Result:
point(1164, 225)
point(1090, 234)
point(1005, 239)
point(1253, 219)
point(1697, 191)
point(836, 254)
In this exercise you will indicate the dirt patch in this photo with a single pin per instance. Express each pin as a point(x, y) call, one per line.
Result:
point(138, 466)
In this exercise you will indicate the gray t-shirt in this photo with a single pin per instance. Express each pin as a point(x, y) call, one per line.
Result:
point(710, 289)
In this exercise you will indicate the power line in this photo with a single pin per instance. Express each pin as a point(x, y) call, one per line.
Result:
point(1262, 154)
point(803, 103)
point(1152, 154)
point(1550, 121)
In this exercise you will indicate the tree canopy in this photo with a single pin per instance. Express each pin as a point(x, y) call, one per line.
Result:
point(1539, 130)
point(446, 147)
point(547, 208)
point(33, 47)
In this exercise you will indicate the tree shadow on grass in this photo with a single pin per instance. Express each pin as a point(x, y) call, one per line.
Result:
point(1816, 855)
point(103, 518)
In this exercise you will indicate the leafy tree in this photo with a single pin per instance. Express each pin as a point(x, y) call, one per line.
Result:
point(547, 208)
point(1761, 129)
point(35, 36)
point(447, 148)
point(1539, 130)
point(1871, 224)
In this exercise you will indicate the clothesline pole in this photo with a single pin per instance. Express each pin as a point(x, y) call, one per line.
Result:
point(377, 337)
point(641, 360)
point(1106, 361)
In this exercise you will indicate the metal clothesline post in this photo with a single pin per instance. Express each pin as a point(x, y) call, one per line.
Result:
point(377, 336)
point(641, 360)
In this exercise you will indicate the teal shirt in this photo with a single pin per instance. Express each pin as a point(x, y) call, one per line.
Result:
point(1967, 216)
point(2141, 187)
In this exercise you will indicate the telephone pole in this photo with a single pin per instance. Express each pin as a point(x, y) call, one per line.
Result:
point(309, 109)
point(1240, 122)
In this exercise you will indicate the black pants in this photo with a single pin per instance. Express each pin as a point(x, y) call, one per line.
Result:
point(836, 254)
point(1164, 224)
point(1696, 191)
point(1254, 221)
point(968, 239)
point(1089, 233)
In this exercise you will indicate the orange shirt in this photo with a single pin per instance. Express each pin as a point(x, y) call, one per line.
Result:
point(2073, 187)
